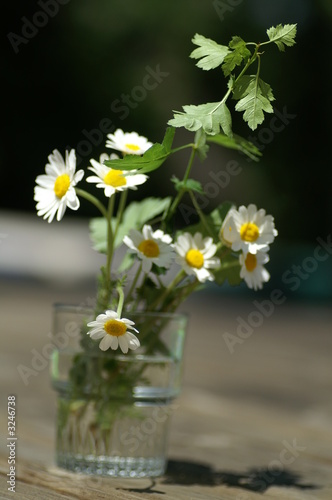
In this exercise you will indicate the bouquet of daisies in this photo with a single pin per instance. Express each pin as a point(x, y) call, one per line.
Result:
point(152, 264)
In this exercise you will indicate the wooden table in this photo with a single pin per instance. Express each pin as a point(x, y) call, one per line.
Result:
point(255, 423)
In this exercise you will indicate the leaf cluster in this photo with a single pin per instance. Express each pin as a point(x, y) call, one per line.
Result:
point(254, 96)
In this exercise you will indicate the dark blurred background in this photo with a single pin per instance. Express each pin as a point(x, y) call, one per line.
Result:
point(76, 69)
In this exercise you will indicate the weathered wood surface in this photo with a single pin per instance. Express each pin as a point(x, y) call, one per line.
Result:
point(251, 424)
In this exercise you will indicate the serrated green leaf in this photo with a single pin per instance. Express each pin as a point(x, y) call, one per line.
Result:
point(152, 159)
point(282, 35)
point(225, 119)
point(238, 143)
point(236, 56)
point(237, 43)
point(211, 117)
point(189, 185)
point(134, 217)
point(210, 53)
point(254, 97)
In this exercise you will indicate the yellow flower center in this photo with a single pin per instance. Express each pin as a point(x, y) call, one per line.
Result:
point(61, 185)
point(115, 327)
point(115, 178)
point(149, 248)
point(250, 262)
point(132, 147)
point(249, 232)
point(194, 258)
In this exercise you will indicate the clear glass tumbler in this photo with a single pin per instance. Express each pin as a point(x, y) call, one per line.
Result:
point(114, 409)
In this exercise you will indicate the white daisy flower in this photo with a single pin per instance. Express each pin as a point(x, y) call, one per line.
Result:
point(128, 142)
point(114, 332)
point(252, 270)
point(55, 191)
point(151, 247)
point(248, 229)
point(112, 180)
point(195, 255)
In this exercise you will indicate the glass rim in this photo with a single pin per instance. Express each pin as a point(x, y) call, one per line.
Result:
point(85, 309)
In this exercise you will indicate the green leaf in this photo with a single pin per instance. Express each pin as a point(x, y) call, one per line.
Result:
point(135, 216)
point(282, 35)
point(152, 159)
point(254, 97)
point(225, 120)
point(238, 143)
point(212, 222)
point(237, 43)
point(139, 213)
point(98, 234)
point(210, 53)
point(211, 117)
point(200, 144)
point(229, 270)
point(218, 214)
point(236, 56)
point(168, 139)
point(189, 185)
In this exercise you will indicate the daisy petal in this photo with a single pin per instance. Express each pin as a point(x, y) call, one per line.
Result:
point(55, 189)
point(105, 343)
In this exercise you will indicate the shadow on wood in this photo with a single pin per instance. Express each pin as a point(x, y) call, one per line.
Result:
point(256, 479)
point(148, 489)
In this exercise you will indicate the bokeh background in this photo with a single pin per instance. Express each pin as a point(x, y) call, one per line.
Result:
point(80, 72)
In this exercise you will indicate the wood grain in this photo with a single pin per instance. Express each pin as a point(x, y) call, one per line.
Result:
point(251, 424)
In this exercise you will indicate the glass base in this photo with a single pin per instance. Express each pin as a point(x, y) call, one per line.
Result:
point(114, 466)
point(134, 444)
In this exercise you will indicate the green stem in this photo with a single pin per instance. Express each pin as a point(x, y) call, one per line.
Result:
point(121, 300)
point(190, 145)
point(110, 239)
point(122, 205)
point(138, 297)
point(185, 292)
point(190, 164)
point(249, 63)
point(167, 290)
point(133, 285)
point(177, 199)
point(224, 99)
point(200, 213)
point(258, 68)
point(92, 199)
point(230, 90)
point(269, 41)
point(161, 284)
